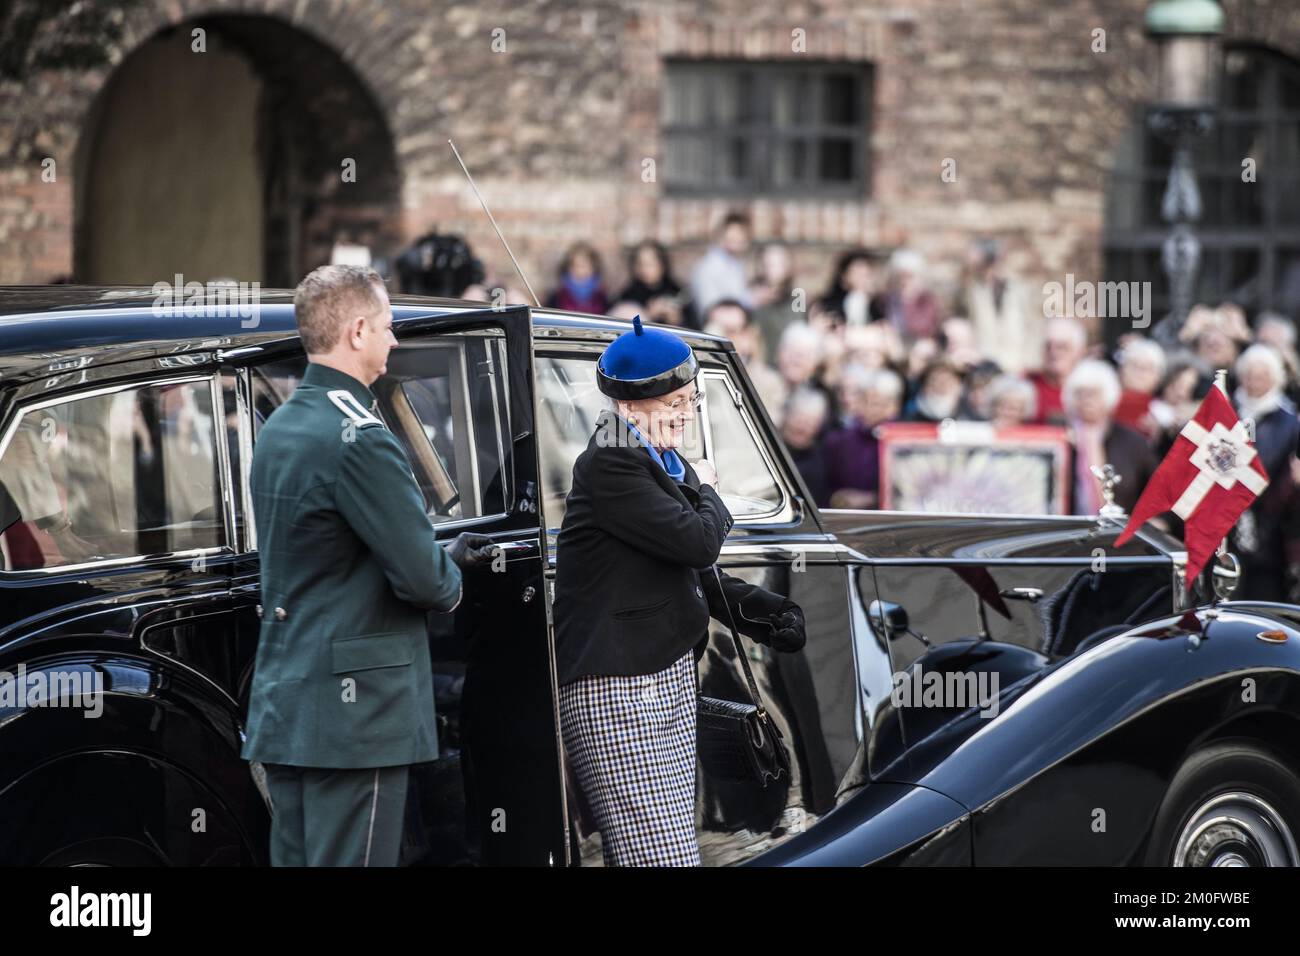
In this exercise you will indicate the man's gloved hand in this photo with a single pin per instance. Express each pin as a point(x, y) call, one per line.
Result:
point(788, 633)
point(470, 550)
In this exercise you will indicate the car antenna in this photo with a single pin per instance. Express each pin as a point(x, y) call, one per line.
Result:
point(492, 219)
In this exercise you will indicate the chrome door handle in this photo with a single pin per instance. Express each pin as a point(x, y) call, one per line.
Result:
point(1032, 595)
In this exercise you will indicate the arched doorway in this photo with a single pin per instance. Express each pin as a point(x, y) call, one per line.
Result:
point(230, 162)
point(1249, 231)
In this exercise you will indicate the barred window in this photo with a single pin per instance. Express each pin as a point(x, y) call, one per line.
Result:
point(781, 129)
point(1249, 231)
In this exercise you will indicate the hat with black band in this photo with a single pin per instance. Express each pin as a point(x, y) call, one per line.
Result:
point(645, 363)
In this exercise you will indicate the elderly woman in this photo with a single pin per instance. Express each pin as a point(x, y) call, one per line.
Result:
point(1012, 401)
point(1266, 533)
point(1141, 369)
point(1089, 397)
point(633, 598)
point(852, 451)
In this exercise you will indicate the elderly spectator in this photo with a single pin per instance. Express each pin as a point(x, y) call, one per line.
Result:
point(909, 306)
point(1001, 310)
point(1141, 368)
point(957, 340)
point(773, 291)
point(731, 320)
point(871, 397)
point(978, 380)
point(1090, 395)
point(854, 288)
point(652, 285)
point(874, 345)
point(581, 288)
point(807, 414)
point(1175, 401)
point(1217, 336)
point(1279, 331)
point(624, 309)
point(1012, 401)
point(1265, 534)
point(721, 273)
point(1064, 343)
point(939, 394)
point(799, 354)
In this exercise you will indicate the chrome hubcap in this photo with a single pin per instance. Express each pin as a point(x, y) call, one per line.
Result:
point(1236, 829)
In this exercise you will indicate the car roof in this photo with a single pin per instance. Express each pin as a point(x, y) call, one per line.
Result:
point(40, 325)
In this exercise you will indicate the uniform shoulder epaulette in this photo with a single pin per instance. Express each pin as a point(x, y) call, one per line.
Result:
point(347, 403)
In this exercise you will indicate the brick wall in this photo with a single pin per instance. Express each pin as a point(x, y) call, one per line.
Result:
point(555, 125)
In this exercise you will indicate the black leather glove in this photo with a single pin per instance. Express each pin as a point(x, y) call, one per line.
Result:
point(471, 550)
point(788, 632)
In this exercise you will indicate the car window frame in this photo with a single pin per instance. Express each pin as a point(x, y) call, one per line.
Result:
point(786, 514)
point(492, 330)
point(21, 409)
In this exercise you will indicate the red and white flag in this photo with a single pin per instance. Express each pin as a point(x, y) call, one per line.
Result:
point(1210, 476)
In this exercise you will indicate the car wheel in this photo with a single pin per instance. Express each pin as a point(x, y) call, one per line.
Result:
point(110, 851)
point(1230, 804)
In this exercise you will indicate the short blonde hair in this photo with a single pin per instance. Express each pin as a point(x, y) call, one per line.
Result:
point(328, 297)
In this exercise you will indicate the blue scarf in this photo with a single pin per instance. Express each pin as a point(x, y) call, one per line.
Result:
point(668, 459)
point(581, 289)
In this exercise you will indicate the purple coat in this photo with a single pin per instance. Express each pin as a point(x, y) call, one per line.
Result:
point(852, 455)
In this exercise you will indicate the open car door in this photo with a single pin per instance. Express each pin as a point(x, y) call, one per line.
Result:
point(459, 396)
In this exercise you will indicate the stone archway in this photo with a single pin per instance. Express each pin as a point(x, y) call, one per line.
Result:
point(233, 161)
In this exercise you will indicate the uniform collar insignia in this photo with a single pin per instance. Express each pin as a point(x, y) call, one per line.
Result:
point(331, 379)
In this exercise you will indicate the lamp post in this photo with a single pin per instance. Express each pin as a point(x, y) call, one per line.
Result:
point(1186, 34)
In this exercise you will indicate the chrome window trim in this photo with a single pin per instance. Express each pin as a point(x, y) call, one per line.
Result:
point(496, 367)
point(244, 410)
point(965, 515)
point(783, 513)
point(146, 560)
point(149, 560)
point(221, 435)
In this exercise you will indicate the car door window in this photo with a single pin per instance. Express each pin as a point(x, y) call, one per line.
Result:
point(724, 431)
point(125, 473)
point(569, 401)
point(445, 400)
point(444, 397)
point(745, 477)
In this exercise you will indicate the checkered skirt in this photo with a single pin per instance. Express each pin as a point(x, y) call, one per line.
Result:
point(631, 741)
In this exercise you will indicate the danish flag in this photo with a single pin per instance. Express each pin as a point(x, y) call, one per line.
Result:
point(1210, 476)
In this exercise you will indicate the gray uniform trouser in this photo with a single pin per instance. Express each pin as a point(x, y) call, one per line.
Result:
point(326, 817)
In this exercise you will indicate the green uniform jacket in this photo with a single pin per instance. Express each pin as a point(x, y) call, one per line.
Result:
point(349, 567)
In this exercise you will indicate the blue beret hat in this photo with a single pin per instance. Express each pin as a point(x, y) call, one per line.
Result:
point(644, 363)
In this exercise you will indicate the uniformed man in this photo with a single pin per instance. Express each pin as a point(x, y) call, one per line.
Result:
point(342, 695)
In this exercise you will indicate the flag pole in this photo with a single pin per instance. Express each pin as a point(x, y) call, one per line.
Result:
point(1220, 382)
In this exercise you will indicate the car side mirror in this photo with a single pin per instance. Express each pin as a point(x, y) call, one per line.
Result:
point(1225, 574)
point(888, 620)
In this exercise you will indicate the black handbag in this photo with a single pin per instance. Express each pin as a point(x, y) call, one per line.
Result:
point(739, 741)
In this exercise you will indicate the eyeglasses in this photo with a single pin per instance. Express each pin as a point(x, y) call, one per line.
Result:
point(695, 400)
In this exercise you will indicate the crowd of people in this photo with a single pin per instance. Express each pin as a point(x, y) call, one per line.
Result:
point(879, 344)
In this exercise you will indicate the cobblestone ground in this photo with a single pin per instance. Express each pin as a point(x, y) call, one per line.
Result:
point(718, 848)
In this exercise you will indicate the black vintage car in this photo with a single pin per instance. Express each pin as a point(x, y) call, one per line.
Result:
point(1108, 723)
